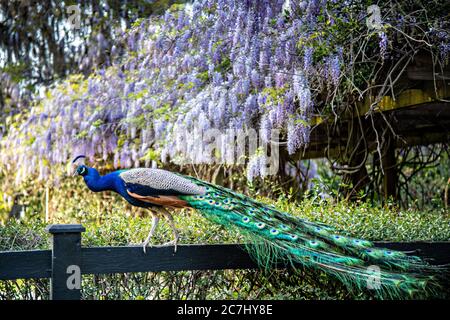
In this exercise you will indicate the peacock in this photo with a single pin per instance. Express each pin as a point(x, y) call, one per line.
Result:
point(278, 236)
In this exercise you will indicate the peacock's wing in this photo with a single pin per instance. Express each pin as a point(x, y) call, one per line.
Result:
point(159, 187)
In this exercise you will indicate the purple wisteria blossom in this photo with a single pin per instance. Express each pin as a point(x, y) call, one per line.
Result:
point(383, 45)
point(212, 64)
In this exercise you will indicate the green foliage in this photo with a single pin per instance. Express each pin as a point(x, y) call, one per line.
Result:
point(203, 76)
point(15, 70)
point(362, 220)
point(224, 65)
point(426, 184)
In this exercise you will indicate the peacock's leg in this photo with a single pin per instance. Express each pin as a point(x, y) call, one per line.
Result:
point(155, 221)
point(176, 235)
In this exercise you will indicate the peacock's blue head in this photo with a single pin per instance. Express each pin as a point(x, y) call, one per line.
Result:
point(90, 175)
point(82, 170)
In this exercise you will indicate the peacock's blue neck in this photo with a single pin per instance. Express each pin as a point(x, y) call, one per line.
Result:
point(97, 183)
point(110, 182)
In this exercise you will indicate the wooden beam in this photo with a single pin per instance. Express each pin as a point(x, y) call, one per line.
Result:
point(422, 124)
point(104, 260)
point(389, 163)
point(188, 257)
point(427, 73)
point(413, 97)
point(25, 264)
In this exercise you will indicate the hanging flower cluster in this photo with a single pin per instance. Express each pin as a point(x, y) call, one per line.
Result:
point(213, 64)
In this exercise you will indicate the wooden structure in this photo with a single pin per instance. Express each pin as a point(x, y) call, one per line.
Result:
point(68, 260)
point(417, 112)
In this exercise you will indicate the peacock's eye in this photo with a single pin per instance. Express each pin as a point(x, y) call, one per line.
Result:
point(82, 171)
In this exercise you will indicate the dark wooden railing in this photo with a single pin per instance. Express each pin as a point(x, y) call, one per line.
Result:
point(67, 261)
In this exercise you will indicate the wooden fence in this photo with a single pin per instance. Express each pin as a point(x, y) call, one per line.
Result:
point(65, 263)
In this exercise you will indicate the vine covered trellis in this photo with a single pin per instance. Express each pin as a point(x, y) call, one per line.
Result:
point(216, 64)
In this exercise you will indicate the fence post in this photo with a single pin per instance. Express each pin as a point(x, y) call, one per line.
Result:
point(65, 283)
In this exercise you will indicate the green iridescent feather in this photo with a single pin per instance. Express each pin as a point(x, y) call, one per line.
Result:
point(282, 238)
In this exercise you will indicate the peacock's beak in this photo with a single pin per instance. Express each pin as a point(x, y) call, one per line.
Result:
point(72, 171)
point(75, 162)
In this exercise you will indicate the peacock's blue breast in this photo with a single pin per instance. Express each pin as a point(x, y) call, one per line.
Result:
point(121, 188)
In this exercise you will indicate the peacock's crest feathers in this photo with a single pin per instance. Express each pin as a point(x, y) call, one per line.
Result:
point(281, 237)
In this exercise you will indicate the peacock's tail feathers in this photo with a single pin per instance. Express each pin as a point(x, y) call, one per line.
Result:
point(282, 238)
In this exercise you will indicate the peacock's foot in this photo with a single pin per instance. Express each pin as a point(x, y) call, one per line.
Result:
point(146, 244)
point(143, 245)
point(174, 243)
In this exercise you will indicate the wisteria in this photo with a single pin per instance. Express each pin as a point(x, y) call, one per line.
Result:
point(383, 45)
point(212, 64)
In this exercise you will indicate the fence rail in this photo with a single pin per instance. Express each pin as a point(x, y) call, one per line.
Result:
point(65, 263)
